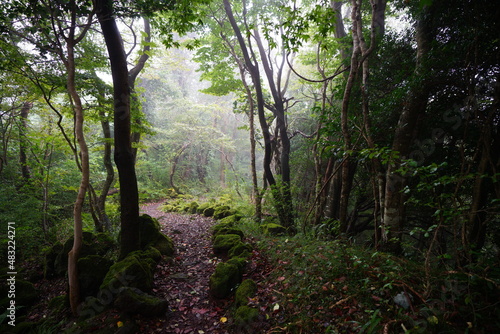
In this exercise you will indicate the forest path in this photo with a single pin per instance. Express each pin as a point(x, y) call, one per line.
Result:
point(183, 281)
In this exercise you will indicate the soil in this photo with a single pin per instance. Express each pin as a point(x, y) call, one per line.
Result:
point(183, 281)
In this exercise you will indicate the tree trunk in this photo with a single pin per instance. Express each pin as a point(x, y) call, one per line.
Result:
point(124, 157)
point(73, 255)
point(394, 208)
point(253, 69)
point(23, 160)
point(132, 76)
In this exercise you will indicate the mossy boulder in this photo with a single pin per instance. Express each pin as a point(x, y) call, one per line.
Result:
point(223, 211)
point(91, 272)
point(191, 207)
point(132, 271)
point(224, 242)
point(164, 245)
point(245, 317)
point(239, 262)
point(224, 280)
point(53, 265)
point(56, 258)
point(229, 230)
point(246, 290)
point(232, 219)
point(209, 212)
point(134, 301)
point(240, 249)
point(273, 229)
point(151, 235)
point(202, 207)
point(26, 294)
point(217, 227)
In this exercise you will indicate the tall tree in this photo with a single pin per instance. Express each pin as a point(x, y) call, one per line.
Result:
point(124, 157)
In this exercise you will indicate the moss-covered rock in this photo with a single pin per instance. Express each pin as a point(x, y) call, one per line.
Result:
point(245, 317)
point(56, 258)
point(232, 219)
point(224, 242)
point(223, 211)
point(131, 271)
point(217, 227)
point(201, 208)
point(52, 267)
point(273, 229)
point(164, 245)
point(26, 295)
point(91, 272)
point(149, 229)
point(191, 207)
point(209, 212)
point(240, 263)
point(224, 280)
point(246, 290)
point(229, 230)
point(135, 301)
point(240, 249)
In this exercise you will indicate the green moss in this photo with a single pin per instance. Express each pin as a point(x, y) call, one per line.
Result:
point(131, 271)
point(134, 301)
point(209, 212)
point(232, 219)
point(225, 278)
point(216, 228)
point(223, 211)
point(238, 262)
point(59, 304)
point(239, 249)
point(273, 229)
point(229, 230)
point(246, 290)
point(245, 316)
point(201, 208)
point(26, 293)
point(103, 243)
point(223, 243)
point(91, 272)
point(164, 245)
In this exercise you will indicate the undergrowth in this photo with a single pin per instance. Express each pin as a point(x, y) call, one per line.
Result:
point(325, 286)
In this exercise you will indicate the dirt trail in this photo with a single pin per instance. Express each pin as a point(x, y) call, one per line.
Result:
point(183, 281)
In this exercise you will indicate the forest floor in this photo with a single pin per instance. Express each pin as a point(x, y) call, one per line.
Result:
point(184, 280)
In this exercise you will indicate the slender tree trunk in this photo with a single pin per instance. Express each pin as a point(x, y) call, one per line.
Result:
point(124, 157)
point(73, 255)
point(132, 76)
point(253, 69)
point(23, 160)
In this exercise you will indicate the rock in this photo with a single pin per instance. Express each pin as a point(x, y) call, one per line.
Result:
point(202, 207)
point(151, 236)
point(223, 243)
point(52, 267)
point(220, 226)
point(238, 262)
point(238, 249)
point(135, 301)
point(273, 229)
point(246, 290)
point(209, 212)
point(232, 219)
point(244, 317)
point(229, 230)
point(224, 280)
point(26, 294)
point(91, 272)
point(164, 245)
point(223, 211)
point(132, 271)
